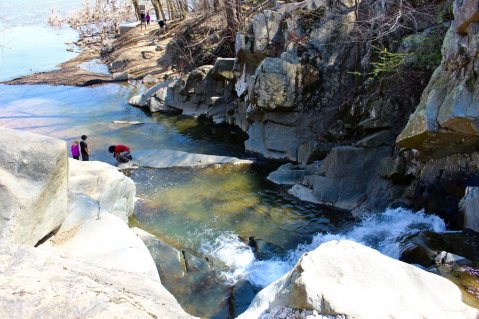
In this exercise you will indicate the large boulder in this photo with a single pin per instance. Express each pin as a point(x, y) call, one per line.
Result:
point(36, 283)
point(96, 188)
point(348, 179)
point(343, 279)
point(276, 84)
point(445, 121)
point(469, 206)
point(33, 186)
point(107, 242)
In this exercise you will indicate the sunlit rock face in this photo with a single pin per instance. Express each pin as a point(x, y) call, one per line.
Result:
point(96, 188)
point(445, 122)
point(469, 206)
point(36, 283)
point(343, 279)
point(33, 186)
point(292, 77)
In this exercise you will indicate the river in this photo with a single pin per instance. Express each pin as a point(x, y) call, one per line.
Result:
point(205, 211)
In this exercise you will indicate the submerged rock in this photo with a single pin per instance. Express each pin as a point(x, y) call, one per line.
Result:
point(171, 158)
point(33, 186)
point(348, 279)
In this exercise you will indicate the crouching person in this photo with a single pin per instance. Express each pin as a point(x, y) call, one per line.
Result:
point(121, 153)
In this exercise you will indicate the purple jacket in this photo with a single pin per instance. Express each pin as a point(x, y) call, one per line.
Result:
point(75, 150)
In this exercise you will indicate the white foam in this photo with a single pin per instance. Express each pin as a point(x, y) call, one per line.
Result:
point(379, 231)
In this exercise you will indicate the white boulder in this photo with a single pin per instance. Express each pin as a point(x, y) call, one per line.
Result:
point(469, 206)
point(107, 242)
point(35, 283)
point(33, 186)
point(96, 188)
point(346, 279)
point(171, 158)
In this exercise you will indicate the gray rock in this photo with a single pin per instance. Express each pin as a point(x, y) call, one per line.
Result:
point(348, 179)
point(116, 66)
point(276, 85)
point(223, 69)
point(445, 121)
point(290, 174)
point(469, 206)
point(381, 138)
point(34, 186)
point(121, 76)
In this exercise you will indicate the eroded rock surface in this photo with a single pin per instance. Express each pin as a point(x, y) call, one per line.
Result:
point(327, 280)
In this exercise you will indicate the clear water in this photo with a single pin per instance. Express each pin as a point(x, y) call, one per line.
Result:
point(210, 210)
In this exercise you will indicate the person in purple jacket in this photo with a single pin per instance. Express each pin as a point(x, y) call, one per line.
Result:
point(76, 150)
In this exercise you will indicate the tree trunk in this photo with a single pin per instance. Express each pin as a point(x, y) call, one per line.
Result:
point(158, 9)
point(137, 8)
point(232, 15)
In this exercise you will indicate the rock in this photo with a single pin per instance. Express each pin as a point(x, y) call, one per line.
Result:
point(159, 48)
point(121, 76)
point(273, 140)
point(34, 186)
point(120, 249)
point(303, 193)
point(149, 79)
point(372, 125)
point(223, 69)
point(170, 158)
point(142, 100)
point(290, 174)
point(168, 259)
point(313, 151)
point(36, 283)
point(348, 179)
point(242, 293)
point(128, 122)
point(147, 55)
point(427, 248)
point(445, 121)
point(344, 277)
point(117, 66)
point(469, 206)
point(97, 188)
point(265, 26)
point(377, 139)
point(465, 13)
point(276, 85)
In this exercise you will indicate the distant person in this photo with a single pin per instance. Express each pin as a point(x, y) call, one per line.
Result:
point(85, 155)
point(162, 25)
point(121, 153)
point(142, 19)
point(147, 18)
point(76, 150)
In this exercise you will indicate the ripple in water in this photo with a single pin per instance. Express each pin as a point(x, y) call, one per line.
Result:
point(382, 232)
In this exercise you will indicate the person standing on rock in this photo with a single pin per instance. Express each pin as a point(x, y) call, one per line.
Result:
point(142, 19)
point(148, 18)
point(121, 153)
point(85, 155)
point(76, 150)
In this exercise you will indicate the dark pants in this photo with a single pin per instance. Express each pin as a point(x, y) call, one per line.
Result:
point(76, 157)
point(85, 157)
